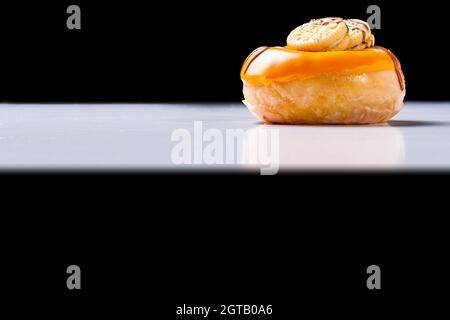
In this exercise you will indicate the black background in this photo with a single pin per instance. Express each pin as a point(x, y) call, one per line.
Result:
point(147, 244)
point(190, 50)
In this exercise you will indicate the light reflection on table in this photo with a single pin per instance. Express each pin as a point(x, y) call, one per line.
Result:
point(138, 136)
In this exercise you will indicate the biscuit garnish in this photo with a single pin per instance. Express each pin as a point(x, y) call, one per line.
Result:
point(317, 35)
point(331, 34)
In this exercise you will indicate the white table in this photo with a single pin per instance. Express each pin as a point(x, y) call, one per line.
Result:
point(138, 136)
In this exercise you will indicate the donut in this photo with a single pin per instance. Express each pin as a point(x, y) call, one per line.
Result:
point(283, 85)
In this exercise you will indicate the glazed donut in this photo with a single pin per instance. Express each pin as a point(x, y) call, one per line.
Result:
point(288, 86)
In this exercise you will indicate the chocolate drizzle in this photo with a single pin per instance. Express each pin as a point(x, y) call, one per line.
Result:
point(398, 68)
point(255, 54)
point(365, 32)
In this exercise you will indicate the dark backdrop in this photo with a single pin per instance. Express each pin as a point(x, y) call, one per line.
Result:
point(190, 50)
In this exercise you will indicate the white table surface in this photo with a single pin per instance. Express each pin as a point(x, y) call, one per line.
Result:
point(138, 136)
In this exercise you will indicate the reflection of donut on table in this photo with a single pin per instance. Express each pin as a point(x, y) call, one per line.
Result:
point(324, 76)
point(314, 147)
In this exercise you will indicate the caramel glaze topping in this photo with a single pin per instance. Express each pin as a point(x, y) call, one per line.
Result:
point(398, 67)
point(267, 64)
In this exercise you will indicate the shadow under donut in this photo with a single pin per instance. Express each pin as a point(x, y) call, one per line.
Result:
point(415, 123)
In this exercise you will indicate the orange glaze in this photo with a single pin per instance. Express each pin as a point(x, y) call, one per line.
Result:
point(268, 64)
